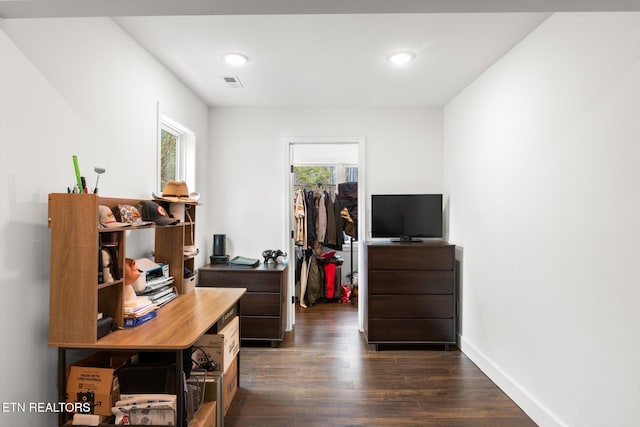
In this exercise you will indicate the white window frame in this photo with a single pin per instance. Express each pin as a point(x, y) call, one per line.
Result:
point(185, 150)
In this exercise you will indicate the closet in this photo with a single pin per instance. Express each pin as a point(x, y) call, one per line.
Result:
point(319, 165)
point(324, 219)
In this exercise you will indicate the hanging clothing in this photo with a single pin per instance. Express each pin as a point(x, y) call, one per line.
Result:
point(304, 275)
point(318, 218)
point(337, 207)
point(348, 196)
point(331, 238)
point(299, 214)
point(311, 218)
point(314, 282)
point(322, 218)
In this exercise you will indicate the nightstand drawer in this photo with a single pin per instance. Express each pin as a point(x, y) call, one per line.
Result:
point(396, 282)
point(412, 256)
point(260, 304)
point(411, 330)
point(253, 280)
point(260, 327)
point(411, 306)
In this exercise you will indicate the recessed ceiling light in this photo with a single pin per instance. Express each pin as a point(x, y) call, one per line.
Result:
point(401, 58)
point(235, 59)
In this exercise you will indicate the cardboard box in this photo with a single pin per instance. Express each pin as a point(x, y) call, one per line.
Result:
point(230, 384)
point(92, 381)
point(221, 347)
point(206, 416)
point(97, 388)
point(223, 384)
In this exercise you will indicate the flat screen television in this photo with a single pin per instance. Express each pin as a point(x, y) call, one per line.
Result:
point(406, 217)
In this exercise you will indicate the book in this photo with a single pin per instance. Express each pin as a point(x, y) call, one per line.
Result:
point(130, 322)
point(156, 284)
point(166, 298)
point(240, 261)
point(138, 307)
point(141, 312)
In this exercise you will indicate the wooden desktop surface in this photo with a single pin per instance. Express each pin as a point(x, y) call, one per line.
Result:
point(178, 325)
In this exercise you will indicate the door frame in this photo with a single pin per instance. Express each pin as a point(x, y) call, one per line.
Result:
point(289, 243)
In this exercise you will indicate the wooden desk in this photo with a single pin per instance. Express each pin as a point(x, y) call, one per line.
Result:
point(178, 325)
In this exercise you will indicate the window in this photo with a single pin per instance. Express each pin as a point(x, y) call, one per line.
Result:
point(324, 177)
point(176, 153)
point(314, 175)
point(169, 143)
point(351, 173)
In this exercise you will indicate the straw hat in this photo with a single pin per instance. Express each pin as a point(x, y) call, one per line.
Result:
point(178, 192)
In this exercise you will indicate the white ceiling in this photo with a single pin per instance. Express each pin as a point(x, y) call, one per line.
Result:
point(322, 52)
point(330, 60)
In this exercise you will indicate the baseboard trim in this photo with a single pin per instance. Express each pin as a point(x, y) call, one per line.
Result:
point(540, 414)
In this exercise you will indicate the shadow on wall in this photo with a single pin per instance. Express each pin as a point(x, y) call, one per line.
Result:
point(459, 258)
point(26, 266)
point(24, 280)
point(27, 240)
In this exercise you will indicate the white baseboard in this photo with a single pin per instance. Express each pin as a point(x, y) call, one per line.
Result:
point(529, 404)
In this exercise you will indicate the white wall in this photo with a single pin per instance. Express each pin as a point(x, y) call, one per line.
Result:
point(67, 86)
point(541, 171)
point(247, 162)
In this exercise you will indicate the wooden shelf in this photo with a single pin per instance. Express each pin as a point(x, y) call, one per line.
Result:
point(106, 285)
point(75, 294)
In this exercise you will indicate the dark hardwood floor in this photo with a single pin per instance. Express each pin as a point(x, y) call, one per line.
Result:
point(324, 374)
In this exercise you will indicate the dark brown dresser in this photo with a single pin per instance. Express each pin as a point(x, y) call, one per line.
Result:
point(410, 293)
point(262, 308)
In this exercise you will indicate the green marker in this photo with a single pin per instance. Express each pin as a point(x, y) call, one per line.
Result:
point(77, 168)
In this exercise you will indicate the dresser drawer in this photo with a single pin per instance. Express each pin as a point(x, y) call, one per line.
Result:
point(254, 281)
point(397, 282)
point(260, 304)
point(390, 330)
point(411, 306)
point(260, 327)
point(411, 256)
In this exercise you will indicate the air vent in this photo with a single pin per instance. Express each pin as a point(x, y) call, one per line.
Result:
point(232, 82)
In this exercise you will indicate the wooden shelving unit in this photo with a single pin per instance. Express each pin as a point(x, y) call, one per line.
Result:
point(76, 296)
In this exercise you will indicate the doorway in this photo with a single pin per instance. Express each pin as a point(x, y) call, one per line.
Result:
point(338, 154)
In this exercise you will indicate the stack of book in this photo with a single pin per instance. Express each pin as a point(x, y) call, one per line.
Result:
point(138, 310)
point(161, 295)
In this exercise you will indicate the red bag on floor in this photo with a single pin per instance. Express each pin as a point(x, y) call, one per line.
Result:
point(345, 295)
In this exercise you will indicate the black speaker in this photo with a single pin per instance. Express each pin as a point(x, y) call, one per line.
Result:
point(219, 244)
